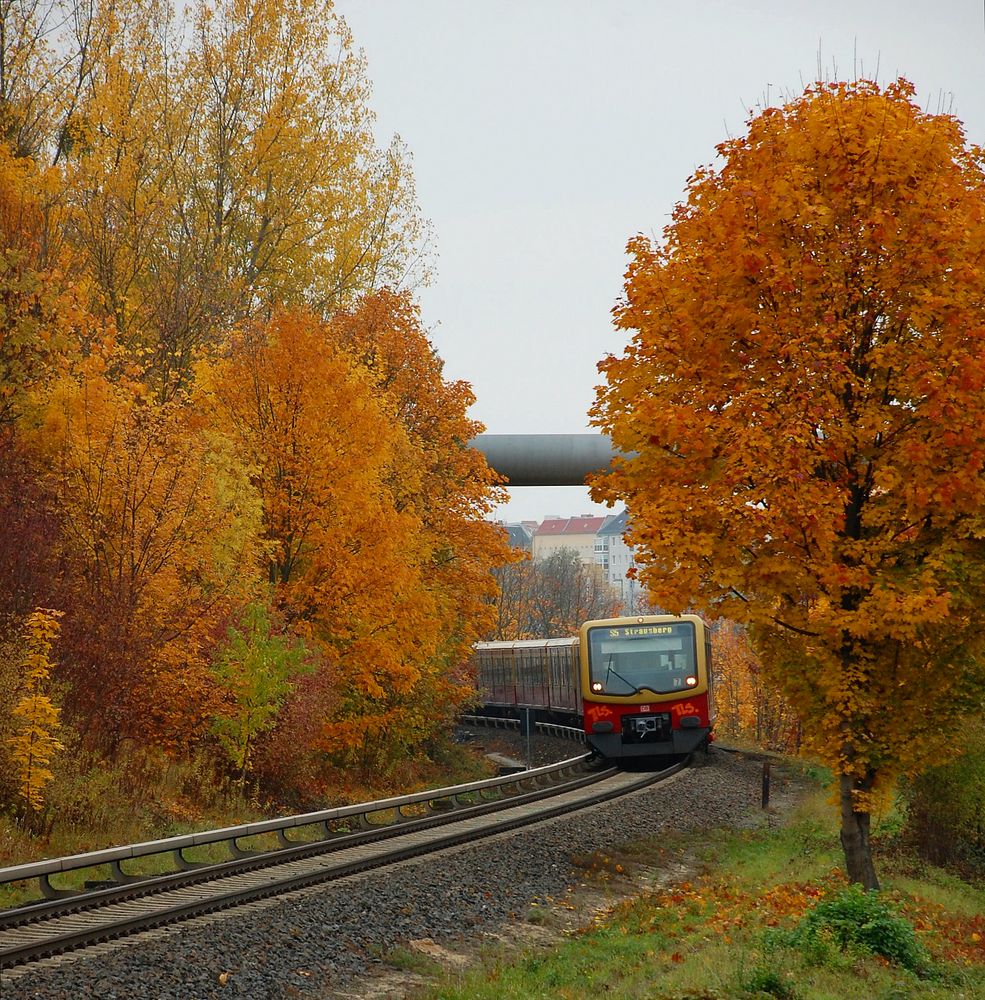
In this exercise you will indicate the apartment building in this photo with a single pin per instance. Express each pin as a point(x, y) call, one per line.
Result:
point(576, 533)
point(615, 558)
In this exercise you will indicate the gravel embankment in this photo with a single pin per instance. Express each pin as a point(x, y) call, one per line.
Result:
point(314, 942)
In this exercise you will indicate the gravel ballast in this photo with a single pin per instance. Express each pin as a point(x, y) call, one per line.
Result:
point(316, 941)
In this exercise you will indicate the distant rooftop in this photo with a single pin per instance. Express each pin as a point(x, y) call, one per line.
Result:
point(617, 524)
point(584, 525)
point(519, 537)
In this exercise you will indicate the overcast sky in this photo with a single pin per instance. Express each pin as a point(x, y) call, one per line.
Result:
point(546, 133)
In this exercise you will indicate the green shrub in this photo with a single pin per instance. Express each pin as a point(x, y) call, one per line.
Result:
point(945, 807)
point(765, 982)
point(856, 919)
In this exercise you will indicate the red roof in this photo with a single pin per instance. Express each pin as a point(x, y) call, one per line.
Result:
point(571, 526)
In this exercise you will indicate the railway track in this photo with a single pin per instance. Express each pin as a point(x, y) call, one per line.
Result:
point(455, 816)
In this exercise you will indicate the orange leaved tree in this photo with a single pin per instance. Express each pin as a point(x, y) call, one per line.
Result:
point(447, 485)
point(803, 391)
point(344, 564)
point(158, 526)
point(438, 475)
point(749, 706)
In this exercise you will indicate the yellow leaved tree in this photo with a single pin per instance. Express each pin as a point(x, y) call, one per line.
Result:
point(222, 165)
point(33, 743)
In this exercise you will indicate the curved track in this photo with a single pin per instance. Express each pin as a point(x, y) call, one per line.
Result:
point(49, 928)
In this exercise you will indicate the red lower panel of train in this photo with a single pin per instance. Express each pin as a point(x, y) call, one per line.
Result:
point(647, 728)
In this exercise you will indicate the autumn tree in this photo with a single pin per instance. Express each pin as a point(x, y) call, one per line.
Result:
point(551, 598)
point(210, 165)
point(257, 669)
point(451, 491)
point(447, 483)
point(284, 181)
point(747, 702)
point(803, 392)
point(34, 743)
point(227, 165)
point(343, 562)
point(373, 503)
point(159, 525)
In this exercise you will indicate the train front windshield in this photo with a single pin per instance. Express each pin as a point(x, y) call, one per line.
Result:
point(629, 659)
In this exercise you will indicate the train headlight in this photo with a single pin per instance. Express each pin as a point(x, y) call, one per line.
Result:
point(692, 682)
point(597, 687)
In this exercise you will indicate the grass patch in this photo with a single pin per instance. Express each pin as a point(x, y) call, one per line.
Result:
point(764, 913)
point(409, 960)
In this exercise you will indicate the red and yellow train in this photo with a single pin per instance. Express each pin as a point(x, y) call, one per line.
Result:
point(642, 686)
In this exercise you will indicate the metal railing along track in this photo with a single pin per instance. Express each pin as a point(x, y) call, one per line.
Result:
point(340, 826)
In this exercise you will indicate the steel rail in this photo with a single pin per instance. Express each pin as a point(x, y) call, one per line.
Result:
point(34, 941)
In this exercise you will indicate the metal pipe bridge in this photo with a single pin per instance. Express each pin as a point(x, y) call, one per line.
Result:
point(546, 459)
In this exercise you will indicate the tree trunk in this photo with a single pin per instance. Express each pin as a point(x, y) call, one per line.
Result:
point(855, 838)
